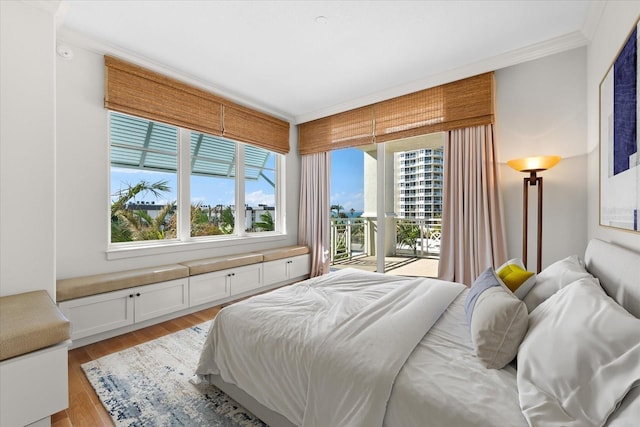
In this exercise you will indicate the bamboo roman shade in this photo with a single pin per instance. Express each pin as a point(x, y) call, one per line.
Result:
point(455, 105)
point(349, 129)
point(144, 93)
point(256, 128)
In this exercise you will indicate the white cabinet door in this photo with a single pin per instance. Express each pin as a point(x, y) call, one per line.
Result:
point(99, 313)
point(112, 310)
point(208, 287)
point(33, 386)
point(244, 279)
point(161, 298)
point(299, 266)
point(285, 269)
point(276, 271)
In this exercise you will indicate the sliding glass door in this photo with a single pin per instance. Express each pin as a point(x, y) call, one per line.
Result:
point(387, 206)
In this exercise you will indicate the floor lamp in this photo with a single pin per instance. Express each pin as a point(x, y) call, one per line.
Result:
point(532, 165)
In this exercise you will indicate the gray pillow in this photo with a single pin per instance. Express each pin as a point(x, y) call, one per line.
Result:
point(499, 322)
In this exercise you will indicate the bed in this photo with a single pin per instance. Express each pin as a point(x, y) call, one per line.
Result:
point(353, 348)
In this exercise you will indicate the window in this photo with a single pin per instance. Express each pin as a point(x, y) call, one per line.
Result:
point(213, 188)
point(260, 189)
point(176, 185)
point(144, 160)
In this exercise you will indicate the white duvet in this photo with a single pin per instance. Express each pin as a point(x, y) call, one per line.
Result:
point(354, 367)
point(324, 353)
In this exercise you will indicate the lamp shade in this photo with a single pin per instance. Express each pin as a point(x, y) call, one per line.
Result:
point(534, 164)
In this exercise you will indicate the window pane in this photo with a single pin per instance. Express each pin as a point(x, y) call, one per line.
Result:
point(213, 191)
point(143, 179)
point(260, 189)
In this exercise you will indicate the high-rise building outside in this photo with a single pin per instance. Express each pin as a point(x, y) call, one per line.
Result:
point(418, 182)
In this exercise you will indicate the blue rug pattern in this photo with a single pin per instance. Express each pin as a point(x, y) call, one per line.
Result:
point(148, 385)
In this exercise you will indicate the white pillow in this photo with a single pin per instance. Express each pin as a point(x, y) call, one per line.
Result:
point(497, 321)
point(553, 278)
point(579, 358)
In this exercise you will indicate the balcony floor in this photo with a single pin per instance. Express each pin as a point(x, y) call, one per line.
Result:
point(398, 266)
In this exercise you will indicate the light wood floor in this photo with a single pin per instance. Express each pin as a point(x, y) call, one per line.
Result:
point(85, 409)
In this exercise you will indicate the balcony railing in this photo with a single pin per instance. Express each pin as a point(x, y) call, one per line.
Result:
point(418, 237)
point(350, 237)
point(354, 237)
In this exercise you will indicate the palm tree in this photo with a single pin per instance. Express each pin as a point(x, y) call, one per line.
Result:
point(199, 220)
point(265, 223)
point(125, 195)
point(227, 220)
point(128, 225)
point(408, 235)
point(337, 208)
point(147, 228)
point(200, 225)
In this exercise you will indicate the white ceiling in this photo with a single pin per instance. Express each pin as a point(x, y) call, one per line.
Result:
point(274, 55)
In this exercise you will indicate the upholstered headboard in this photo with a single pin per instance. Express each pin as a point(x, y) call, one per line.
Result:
point(618, 270)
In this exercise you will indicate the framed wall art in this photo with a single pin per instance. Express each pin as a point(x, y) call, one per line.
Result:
point(619, 148)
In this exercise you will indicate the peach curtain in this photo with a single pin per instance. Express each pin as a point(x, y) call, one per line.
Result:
point(473, 233)
point(313, 223)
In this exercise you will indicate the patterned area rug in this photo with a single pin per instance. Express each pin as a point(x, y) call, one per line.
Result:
point(148, 385)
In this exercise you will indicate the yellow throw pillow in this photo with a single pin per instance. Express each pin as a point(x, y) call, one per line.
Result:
point(515, 277)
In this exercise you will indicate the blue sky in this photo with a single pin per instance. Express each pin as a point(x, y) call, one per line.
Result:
point(347, 179)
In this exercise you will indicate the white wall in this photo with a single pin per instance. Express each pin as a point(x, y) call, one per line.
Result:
point(83, 172)
point(27, 149)
point(615, 24)
point(541, 110)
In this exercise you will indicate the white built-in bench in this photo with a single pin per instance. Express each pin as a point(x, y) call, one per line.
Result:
point(34, 340)
point(104, 305)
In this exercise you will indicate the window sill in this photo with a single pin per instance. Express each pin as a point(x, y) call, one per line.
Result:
point(159, 248)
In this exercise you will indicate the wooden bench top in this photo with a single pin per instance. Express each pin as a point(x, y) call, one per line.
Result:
point(30, 321)
point(208, 265)
point(284, 252)
point(77, 287)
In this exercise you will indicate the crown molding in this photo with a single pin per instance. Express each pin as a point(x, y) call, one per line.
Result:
point(529, 53)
